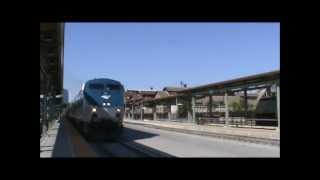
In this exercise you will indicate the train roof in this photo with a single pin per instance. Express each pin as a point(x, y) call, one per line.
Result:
point(104, 80)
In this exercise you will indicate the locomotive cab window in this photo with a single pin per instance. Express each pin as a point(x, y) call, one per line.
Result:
point(96, 86)
point(112, 87)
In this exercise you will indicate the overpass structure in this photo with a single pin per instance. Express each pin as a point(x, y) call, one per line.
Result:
point(51, 72)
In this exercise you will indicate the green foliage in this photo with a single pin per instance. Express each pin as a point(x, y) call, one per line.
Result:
point(182, 109)
point(237, 106)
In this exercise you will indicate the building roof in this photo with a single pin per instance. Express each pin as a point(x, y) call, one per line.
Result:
point(133, 96)
point(173, 89)
point(162, 94)
point(148, 92)
point(234, 83)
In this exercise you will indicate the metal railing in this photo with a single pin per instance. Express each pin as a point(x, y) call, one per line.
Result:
point(237, 121)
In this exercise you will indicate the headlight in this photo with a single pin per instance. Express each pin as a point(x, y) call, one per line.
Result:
point(94, 109)
point(108, 104)
point(103, 104)
point(118, 110)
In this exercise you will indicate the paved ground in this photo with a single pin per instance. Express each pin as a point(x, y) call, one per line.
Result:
point(64, 141)
point(188, 145)
point(57, 143)
point(263, 134)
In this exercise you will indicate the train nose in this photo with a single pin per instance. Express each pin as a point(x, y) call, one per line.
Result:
point(112, 112)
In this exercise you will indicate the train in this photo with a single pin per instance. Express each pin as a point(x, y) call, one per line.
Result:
point(98, 109)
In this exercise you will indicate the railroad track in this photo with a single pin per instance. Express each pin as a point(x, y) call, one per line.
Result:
point(125, 148)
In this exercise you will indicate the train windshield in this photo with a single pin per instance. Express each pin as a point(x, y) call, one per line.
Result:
point(96, 86)
point(112, 87)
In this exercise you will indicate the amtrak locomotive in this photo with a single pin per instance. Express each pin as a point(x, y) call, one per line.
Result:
point(99, 108)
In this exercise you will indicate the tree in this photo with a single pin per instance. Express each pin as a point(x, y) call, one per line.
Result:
point(237, 106)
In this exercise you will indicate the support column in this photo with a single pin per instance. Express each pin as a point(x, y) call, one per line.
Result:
point(189, 109)
point(141, 112)
point(193, 101)
point(226, 108)
point(177, 112)
point(278, 105)
point(169, 111)
point(154, 112)
point(268, 91)
point(132, 112)
point(245, 103)
point(210, 105)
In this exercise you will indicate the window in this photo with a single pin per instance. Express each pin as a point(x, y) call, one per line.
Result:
point(112, 87)
point(96, 86)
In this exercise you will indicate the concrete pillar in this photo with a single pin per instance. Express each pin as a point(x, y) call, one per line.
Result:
point(169, 111)
point(210, 105)
point(226, 109)
point(141, 112)
point(177, 112)
point(268, 91)
point(189, 109)
point(278, 105)
point(245, 103)
point(193, 104)
point(154, 113)
point(132, 112)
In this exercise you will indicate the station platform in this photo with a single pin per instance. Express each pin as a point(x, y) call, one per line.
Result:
point(64, 141)
point(268, 136)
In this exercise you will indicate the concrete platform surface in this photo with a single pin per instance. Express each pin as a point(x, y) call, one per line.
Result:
point(63, 141)
point(265, 134)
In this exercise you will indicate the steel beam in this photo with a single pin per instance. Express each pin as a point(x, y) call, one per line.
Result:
point(251, 86)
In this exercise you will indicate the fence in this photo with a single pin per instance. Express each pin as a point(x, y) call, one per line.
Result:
point(237, 121)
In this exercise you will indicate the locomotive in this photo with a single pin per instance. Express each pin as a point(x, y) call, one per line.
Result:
point(98, 109)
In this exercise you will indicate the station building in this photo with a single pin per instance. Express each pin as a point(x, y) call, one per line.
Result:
point(251, 100)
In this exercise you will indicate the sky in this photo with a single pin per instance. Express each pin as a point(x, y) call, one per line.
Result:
point(144, 55)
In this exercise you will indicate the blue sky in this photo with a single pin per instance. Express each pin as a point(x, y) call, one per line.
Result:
point(141, 55)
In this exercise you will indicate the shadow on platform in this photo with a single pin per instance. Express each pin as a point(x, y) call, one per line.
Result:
point(132, 134)
point(62, 146)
